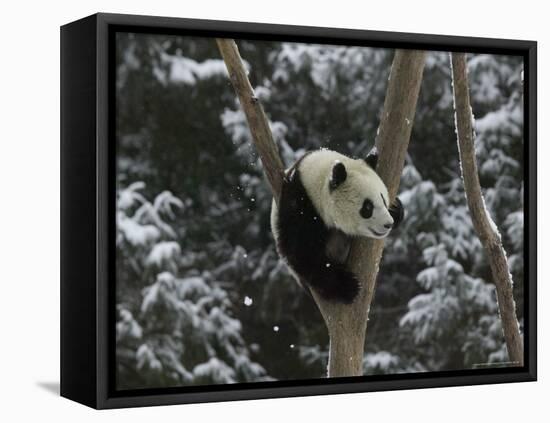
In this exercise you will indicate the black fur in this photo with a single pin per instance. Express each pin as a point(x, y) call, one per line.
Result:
point(397, 212)
point(367, 209)
point(372, 158)
point(303, 240)
point(339, 175)
point(338, 246)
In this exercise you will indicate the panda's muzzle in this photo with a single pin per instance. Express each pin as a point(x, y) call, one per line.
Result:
point(380, 234)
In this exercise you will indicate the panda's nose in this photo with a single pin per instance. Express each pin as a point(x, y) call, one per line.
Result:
point(388, 225)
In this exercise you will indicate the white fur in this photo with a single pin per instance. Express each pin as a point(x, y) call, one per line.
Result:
point(340, 208)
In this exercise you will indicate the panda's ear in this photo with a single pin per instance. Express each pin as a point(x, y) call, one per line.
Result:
point(338, 176)
point(372, 158)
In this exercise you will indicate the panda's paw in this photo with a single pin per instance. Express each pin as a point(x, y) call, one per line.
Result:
point(397, 212)
point(343, 288)
point(334, 283)
point(348, 290)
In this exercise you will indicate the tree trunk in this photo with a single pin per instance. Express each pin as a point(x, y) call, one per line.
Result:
point(347, 324)
point(483, 224)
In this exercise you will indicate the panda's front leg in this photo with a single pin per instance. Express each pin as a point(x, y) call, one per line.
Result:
point(338, 246)
point(397, 212)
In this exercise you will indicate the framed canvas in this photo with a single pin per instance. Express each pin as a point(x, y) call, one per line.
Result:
point(257, 211)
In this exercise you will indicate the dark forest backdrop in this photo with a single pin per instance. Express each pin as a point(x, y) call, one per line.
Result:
point(202, 297)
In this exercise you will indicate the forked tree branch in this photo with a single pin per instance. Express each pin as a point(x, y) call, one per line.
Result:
point(346, 324)
point(484, 226)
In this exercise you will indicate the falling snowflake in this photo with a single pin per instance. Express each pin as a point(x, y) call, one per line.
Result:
point(248, 301)
point(275, 328)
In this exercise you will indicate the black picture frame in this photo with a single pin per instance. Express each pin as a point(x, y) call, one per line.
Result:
point(88, 205)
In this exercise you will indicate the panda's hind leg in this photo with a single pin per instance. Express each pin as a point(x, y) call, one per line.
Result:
point(334, 283)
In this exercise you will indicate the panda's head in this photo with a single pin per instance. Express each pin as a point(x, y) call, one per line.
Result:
point(358, 202)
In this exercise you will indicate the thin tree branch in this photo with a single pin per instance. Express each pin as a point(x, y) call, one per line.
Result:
point(483, 224)
point(257, 120)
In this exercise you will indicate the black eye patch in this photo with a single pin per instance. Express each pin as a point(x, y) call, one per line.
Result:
point(367, 209)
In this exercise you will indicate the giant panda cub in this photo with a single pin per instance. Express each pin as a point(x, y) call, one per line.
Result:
point(326, 200)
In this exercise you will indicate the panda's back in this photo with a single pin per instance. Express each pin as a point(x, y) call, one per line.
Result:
point(304, 180)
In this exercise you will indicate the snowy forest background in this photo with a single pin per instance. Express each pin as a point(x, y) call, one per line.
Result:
point(202, 297)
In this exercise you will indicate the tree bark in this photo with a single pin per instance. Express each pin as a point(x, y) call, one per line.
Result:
point(347, 324)
point(484, 226)
point(257, 120)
